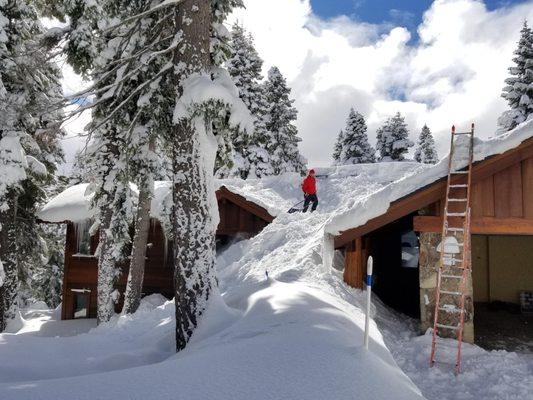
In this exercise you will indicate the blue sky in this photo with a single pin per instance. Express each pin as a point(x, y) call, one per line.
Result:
point(407, 13)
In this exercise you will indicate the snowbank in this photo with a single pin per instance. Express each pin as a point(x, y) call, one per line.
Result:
point(377, 203)
point(286, 341)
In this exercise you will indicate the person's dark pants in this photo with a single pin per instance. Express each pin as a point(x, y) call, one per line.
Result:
point(310, 198)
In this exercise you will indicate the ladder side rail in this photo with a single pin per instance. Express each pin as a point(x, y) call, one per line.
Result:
point(441, 258)
point(462, 305)
point(466, 253)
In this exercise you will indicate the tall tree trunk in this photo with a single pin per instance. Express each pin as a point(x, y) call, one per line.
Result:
point(106, 270)
point(8, 289)
point(194, 234)
point(132, 298)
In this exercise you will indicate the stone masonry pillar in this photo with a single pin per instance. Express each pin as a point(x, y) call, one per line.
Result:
point(429, 264)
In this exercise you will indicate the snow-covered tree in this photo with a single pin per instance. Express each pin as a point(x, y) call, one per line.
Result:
point(250, 156)
point(127, 49)
point(207, 96)
point(144, 162)
point(283, 144)
point(355, 148)
point(154, 73)
point(46, 276)
point(393, 139)
point(425, 148)
point(29, 144)
point(337, 149)
point(519, 86)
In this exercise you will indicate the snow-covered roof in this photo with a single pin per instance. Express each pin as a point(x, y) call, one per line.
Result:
point(378, 202)
point(73, 204)
point(70, 205)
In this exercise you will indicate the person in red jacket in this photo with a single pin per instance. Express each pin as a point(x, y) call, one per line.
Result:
point(309, 189)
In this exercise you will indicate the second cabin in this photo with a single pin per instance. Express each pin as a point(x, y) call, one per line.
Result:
point(239, 218)
point(404, 243)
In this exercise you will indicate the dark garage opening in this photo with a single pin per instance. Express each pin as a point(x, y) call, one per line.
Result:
point(395, 250)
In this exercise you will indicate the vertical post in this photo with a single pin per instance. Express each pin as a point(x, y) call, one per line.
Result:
point(368, 297)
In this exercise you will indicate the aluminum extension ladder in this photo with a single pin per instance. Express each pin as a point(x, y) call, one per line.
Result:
point(455, 250)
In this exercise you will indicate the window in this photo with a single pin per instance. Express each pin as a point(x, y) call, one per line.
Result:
point(410, 250)
point(83, 245)
point(81, 303)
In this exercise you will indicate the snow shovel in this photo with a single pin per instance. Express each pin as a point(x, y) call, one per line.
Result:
point(293, 209)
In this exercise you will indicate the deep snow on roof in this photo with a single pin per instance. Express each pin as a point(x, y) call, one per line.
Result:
point(74, 203)
point(350, 194)
point(338, 187)
point(378, 202)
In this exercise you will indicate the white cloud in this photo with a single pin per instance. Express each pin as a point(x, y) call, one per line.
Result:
point(452, 75)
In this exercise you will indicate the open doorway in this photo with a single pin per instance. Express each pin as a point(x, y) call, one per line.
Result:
point(502, 277)
point(395, 249)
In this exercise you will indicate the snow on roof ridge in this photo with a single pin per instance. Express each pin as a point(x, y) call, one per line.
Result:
point(378, 202)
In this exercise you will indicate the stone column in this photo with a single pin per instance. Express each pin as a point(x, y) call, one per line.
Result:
point(429, 264)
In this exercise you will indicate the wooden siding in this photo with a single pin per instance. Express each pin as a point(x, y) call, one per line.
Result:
point(237, 216)
point(502, 203)
point(235, 219)
point(355, 262)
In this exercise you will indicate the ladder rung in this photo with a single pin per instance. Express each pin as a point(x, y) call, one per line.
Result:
point(459, 172)
point(452, 276)
point(447, 327)
point(451, 293)
point(454, 261)
point(463, 214)
point(451, 310)
point(459, 186)
point(455, 229)
point(457, 200)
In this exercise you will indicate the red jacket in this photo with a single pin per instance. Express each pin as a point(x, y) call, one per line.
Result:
point(309, 185)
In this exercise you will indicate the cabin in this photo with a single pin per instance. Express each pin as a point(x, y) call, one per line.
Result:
point(403, 242)
point(239, 218)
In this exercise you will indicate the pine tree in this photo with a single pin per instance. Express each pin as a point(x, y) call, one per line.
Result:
point(393, 139)
point(153, 73)
point(355, 146)
point(283, 144)
point(47, 276)
point(519, 89)
point(128, 56)
point(250, 156)
point(425, 149)
point(194, 218)
point(337, 149)
point(29, 148)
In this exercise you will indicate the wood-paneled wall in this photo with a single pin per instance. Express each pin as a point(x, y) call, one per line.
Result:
point(506, 194)
point(502, 203)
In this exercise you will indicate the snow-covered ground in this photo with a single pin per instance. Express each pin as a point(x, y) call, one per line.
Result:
point(295, 334)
